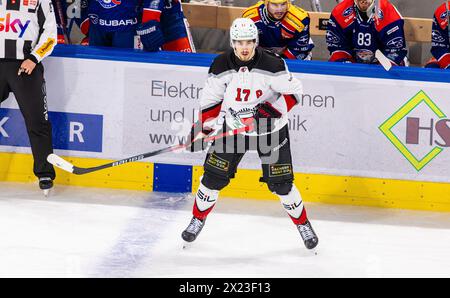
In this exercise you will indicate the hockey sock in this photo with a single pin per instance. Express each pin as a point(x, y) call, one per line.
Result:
point(205, 199)
point(293, 204)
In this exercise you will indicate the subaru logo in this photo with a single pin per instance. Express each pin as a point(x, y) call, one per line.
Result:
point(347, 12)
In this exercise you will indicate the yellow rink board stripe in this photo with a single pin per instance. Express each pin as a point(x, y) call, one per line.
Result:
point(136, 176)
point(386, 193)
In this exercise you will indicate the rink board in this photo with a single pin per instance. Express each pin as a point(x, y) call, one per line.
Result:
point(360, 135)
point(385, 193)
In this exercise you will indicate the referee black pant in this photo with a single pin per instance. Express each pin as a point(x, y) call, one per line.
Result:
point(31, 97)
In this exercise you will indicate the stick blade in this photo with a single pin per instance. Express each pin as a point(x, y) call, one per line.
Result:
point(385, 62)
point(60, 163)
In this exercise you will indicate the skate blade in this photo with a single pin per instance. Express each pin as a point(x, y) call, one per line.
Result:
point(187, 245)
point(314, 251)
point(46, 192)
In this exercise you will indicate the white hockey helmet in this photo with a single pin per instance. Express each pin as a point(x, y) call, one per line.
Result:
point(369, 9)
point(243, 29)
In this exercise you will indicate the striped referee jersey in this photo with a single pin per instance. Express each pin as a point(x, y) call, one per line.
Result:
point(27, 29)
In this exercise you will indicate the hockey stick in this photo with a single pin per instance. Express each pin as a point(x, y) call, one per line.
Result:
point(384, 61)
point(62, 18)
point(68, 167)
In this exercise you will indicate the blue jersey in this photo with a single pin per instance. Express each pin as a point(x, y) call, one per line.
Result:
point(110, 15)
point(117, 16)
point(440, 44)
point(288, 37)
point(354, 36)
point(169, 13)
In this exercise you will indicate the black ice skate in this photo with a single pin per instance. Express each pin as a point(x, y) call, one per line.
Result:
point(194, 228)
point(308, 235)
point(45, 184)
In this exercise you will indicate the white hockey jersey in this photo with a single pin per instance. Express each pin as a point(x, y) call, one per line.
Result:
point(235, 88)
point(27, 29)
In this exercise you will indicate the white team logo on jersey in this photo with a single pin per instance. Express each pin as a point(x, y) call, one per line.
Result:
point(109, 3)
point(347, 12)
point(239, 116)
point(243, 113)
point(93, 18)
point(437, 37)
point(380, 14)
point(332, 38)
point(303, 41)
point(396, 43)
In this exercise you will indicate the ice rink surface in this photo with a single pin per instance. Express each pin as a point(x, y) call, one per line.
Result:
point(88, 232)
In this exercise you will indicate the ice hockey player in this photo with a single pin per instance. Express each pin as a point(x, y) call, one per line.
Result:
point(29, 37)
point(440, 45)
point(252, 85)
point(355, 31)
point(283, 28)
point(150, 24)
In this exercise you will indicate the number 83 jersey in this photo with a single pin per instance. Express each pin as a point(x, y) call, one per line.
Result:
point(354, 36)
point(235, 88)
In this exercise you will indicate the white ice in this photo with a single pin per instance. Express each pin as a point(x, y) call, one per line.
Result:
point(88, 232)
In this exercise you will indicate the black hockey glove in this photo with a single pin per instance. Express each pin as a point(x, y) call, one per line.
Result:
point(151, 35)
point(265, 115)
point(196, 137)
